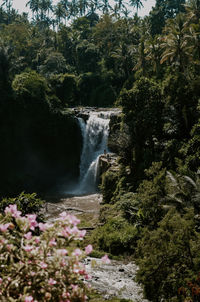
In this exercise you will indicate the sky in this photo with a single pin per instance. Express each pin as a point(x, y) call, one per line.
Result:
point(20, 5)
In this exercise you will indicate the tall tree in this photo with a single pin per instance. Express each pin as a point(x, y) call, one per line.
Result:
point(59, 12)
point(153, 53)
point(174, 44)
point(136, 3)
point(34, 6)
point(193, 11)
point(164, 10)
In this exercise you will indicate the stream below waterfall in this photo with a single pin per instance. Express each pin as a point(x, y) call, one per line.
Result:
point(111, 280)
point(117, 278)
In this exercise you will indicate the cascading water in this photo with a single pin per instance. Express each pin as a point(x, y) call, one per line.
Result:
point(95, 135)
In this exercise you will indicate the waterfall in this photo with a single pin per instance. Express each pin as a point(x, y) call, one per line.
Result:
point(95, 135)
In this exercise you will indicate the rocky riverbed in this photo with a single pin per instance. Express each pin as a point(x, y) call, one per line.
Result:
point(114, 279)
point(111, 280)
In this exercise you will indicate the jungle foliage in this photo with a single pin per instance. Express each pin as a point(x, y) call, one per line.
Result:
point(88, 53)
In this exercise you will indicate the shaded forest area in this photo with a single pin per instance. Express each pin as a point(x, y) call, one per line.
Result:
point(73, 55)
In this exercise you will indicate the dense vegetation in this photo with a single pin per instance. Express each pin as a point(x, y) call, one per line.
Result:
point(88, 53)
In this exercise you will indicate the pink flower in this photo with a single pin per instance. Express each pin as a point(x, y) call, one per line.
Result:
point(43, 265)
point(28, 236)
point(9, 247)
point(82, 233)
point(52, 242)
point(12, 209)
point(74, 230)
point(28, 299)
point(66, 295)
point(64, 215)
point(88, 249)
point(62, 252)
point(77, 252)
point(37, 240)
point(2, 241)
point(105, 259)
point(1, 280)
point(32, 221)
point(88, 277)
point(63, 263)
point(4, 227)
point(74, 287)
point(28, 248)
point(31, 217)
point(81, 272)
point(44, 226)
point(74, 220)
point(71, 218)
point(52, 282)
point(66, 232)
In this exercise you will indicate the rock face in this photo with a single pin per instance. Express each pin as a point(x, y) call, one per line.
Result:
point(84, 112)
point(114, 133)
point(45, 151)
point(108, 161)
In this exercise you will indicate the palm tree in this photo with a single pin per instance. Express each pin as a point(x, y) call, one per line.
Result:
point(45, 7)
point(136, 3)
point(183, 192)
point(116, 10)
point(6, 63)
point(73, 9)
point(105, 6)
point(82, 6)
point(153, 53)
point(49, 7)
point(34, 6)
point(126, 12)
point(124, 59)
point(93, 5)
point(59, 12)
point(31, 5)
point(174, 44)
point(66, 5)
point(138, 51)
point(192, 38)
point(8, 5)
point(193, 11)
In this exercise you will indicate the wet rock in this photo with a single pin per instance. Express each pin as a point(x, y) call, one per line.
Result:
point(113, 280)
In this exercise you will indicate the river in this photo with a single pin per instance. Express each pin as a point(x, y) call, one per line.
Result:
point(111, 280)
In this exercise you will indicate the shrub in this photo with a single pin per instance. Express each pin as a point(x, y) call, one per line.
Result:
point(168, 256)
point(64, 86)
point(30, 86)
point(109, 184)
point(26, 203)
point(129, 204)
point(41, 268)
point(117, 236)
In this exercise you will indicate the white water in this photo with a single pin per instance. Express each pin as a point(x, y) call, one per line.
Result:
point(95, 135)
